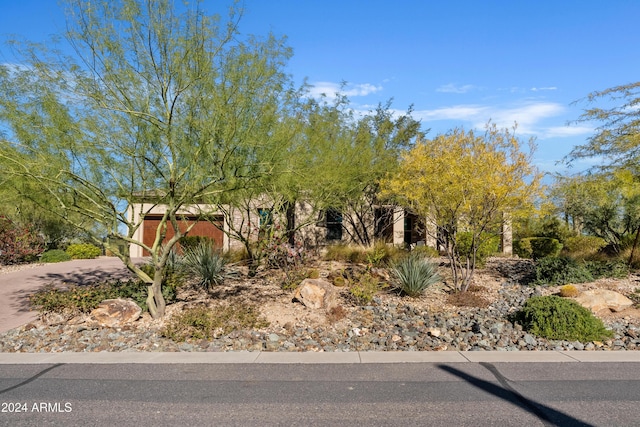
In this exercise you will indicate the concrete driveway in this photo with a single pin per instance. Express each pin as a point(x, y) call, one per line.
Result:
point(16, 286)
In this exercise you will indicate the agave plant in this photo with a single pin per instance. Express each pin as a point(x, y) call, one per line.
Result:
point(414, 274)
point(206, 264)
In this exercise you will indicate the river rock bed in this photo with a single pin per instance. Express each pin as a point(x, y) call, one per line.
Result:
point(378, 327)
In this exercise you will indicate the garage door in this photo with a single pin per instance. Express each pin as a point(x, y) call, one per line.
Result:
point(202, 228)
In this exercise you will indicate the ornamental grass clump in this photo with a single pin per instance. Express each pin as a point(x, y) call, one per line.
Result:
point(559, 318)
point(413, 274)
point(206, 265)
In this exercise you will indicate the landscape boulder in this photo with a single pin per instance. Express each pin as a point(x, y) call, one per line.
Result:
point(599, 300)
point(114, 312)
point(316, 293)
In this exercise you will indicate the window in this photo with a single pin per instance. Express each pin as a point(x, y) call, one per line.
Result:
point(334, 224)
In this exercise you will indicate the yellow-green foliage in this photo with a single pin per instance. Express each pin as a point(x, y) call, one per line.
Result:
point(377, 255)
point(468, 176)
point(83, 251)
point(293, 276)
point(569, 291)
point(426, 251)
point(203, 322)
point(364, 288)
point(583, 246)
point(466, 181)
point(346, 253)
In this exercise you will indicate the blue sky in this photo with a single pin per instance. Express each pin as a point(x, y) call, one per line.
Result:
point(458, 62)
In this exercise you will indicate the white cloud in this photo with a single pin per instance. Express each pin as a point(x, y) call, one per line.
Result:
point(565, 131)
point(526, 116)
point(529, 116)
point(456, 112)
point(538, 89)
point(331, 89)
point(453, 88)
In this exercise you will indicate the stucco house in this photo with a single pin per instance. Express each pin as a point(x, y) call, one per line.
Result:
point(390, 224)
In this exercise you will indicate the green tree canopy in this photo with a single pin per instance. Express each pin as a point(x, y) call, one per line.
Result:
point(154, 105)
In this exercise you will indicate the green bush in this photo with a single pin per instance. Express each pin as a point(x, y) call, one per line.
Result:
point(489, 245)
point(537, 247)
point(206, 265)
point(522, 248)
point(583, 246)
point(607, 269)
point(559, 318)
point(208, 323)
point(560, 271)
point(85, 298)
point(364, 288)
point(414, 274)
point(83, 251)
point(55, 255)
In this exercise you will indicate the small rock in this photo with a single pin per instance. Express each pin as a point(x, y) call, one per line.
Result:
point(316, 293)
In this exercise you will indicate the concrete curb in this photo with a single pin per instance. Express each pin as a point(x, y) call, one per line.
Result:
point(364, 357)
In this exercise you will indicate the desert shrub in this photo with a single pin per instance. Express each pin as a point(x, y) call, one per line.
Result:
point(293, 277)
point(235, 255)
point(206, 265)
point(55, 255)
point(203, 322)
point(346, 253)
point(467, 299)
point(583, 246)
point(83, 251)
point(414, 274)
point(542, 247)
point(425, 251)
point(382, 254)
point(607, 269)
point(190, 242)
point(561, 319)
point(537, 247)
point(522, 248)
point(559, 271)
point(18, 244)
point(364, 288)
point(569, 291)
point(83, 299)
point(488, 246)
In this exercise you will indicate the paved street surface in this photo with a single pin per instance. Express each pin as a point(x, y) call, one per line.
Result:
point(537, 388)
point(190, 391)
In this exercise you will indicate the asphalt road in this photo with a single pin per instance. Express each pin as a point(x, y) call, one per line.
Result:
point(425, 394)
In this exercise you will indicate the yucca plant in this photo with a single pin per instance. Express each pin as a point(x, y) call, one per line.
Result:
point(206, 264)
point(414, 274)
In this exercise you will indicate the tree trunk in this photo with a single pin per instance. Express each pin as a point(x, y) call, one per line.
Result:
point(155, 299)
point(635, 245)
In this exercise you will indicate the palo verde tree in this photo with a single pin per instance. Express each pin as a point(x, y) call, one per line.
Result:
point(348, 154)
point(604, 204)
point(461, 181)
point(154, 105)
point(616, 140)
